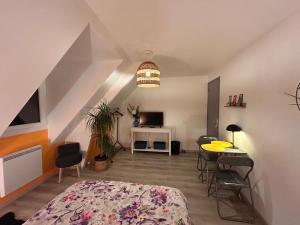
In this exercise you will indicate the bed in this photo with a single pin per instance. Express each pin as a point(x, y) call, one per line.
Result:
point(114, 203)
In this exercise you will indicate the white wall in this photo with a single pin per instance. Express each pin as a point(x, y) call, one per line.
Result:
point(69, 69)
point(183, 101)
point(109, 91)
point(67, 113)
point(31, 46)
point(271, 127)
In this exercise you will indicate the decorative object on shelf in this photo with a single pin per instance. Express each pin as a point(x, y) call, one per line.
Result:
point(159, 145)
point(140, 144)
point(233, 128)
point(100, 122)
point(148, 74)
point(229, 100)
point(236, 101)
point(296, 96)
point(135, 113)
point(240, 101)
point(136, 121)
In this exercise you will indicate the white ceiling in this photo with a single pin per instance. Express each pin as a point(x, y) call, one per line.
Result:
point(189, 37)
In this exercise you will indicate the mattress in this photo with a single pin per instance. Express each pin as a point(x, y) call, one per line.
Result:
point(112, 202)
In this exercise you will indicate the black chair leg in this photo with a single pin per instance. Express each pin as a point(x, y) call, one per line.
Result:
point(210, 184)
point(202, 167)
point(217, 198)
point(251, 220)
point(60, 175)
point(202, 170)
point(211, 180)
point(207, 179)
point(199, 161)
point(238, 193)
point(252, 202)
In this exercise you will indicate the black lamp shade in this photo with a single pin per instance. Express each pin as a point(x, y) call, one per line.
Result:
point(233, 128)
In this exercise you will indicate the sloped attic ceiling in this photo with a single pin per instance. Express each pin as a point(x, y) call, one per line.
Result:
point(40, 38)
point(189, 37)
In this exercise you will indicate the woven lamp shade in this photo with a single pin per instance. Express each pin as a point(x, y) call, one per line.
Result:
point(148, 75)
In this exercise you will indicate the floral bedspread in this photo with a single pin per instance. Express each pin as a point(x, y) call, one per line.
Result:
point(114, 203)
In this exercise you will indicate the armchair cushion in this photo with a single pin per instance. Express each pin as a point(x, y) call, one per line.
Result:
point(68, 155)
point(68, 160)
point(68, 149)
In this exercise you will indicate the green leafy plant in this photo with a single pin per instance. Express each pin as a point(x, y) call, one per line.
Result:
point(134, 110)
point(100, 122)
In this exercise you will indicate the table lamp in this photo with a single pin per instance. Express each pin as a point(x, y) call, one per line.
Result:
point(233, 128)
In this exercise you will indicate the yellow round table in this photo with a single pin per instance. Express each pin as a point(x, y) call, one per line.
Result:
point(221, 147)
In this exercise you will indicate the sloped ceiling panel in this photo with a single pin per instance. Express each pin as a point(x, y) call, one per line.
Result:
point(34, 37)
point(68, 110)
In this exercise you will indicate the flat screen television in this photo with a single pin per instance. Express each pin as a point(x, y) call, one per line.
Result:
point(151, 119)
point(30, 113)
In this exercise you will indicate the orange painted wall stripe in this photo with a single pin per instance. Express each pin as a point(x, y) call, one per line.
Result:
point(19, 142)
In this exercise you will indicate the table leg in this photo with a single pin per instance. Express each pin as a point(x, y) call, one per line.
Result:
point(132, 142)
point(170, 153)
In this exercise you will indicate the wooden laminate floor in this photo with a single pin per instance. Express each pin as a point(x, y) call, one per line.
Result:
point(146, 168)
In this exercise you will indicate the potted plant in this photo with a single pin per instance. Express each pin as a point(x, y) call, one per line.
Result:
point(100, 122)
point(135, 113)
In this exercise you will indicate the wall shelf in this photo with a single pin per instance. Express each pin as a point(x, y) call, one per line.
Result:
point(237, 106)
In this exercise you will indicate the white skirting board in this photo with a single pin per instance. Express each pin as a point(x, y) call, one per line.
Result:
point(20, 168)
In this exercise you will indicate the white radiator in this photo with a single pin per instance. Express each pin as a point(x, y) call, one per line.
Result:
point(20, 168)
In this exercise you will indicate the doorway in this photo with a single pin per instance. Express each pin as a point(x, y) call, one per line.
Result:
point(213, 105)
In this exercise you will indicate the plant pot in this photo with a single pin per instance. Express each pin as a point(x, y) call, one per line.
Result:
point(101, 165)
point(136, 121)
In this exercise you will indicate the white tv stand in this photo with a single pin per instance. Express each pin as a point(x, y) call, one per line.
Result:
point(149, 130)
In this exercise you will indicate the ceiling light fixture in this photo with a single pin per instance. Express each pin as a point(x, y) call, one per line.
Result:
point(148, 74)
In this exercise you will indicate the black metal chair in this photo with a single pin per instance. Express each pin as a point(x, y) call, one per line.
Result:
point(206, 158)
point(229, 179)
point(68, 155)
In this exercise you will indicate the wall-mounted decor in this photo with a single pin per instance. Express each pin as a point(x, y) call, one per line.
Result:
point(229, 100)
point(296, 96)
point(240, 101)
point(236, 101)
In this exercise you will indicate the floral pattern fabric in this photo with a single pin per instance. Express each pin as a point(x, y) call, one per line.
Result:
point(114, 203)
